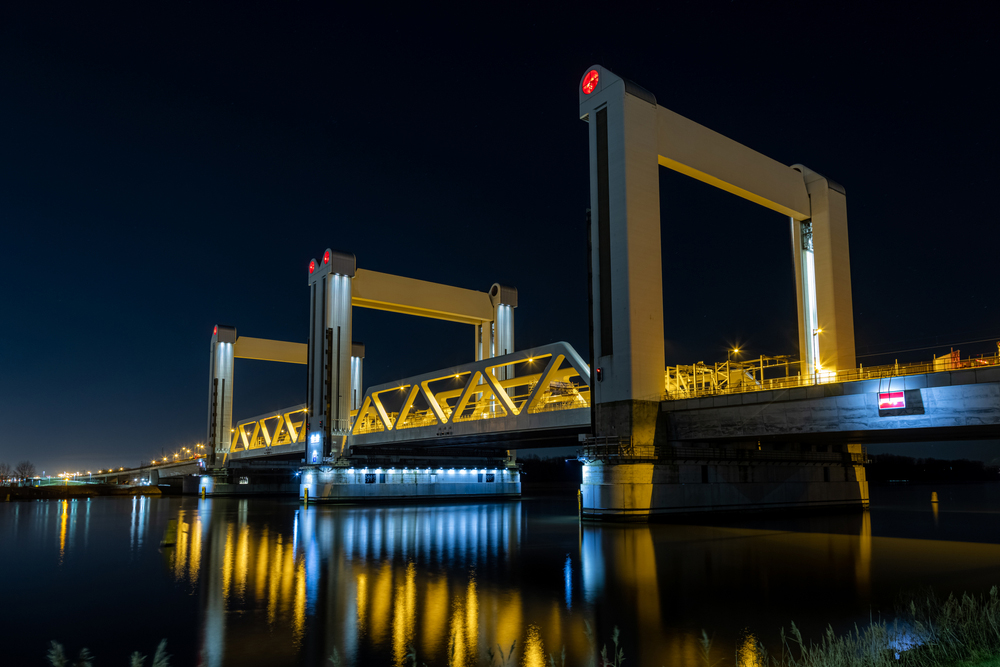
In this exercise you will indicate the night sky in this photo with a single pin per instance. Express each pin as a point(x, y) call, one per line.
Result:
point(165, 167)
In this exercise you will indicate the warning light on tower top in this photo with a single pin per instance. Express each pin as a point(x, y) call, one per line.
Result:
point(590, 82)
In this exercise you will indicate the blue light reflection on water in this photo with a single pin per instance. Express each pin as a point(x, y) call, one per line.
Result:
point(568, 581)
point(270, 582)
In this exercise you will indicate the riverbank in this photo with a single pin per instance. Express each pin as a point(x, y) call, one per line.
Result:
point(55, 492)
point(960, 631)
point(956, 632)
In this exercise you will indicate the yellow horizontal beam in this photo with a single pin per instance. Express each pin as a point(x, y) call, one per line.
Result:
point(696, 151)
point(396, 294)
point(263, 349)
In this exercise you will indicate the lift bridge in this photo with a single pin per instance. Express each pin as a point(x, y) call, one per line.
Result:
point(656, 439)
point(480, 410)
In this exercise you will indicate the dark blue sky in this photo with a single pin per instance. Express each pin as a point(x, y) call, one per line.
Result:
point(164, 168)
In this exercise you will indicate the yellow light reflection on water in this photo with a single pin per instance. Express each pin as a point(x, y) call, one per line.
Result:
point(274, 582)
point(464, 631)
point(262, 554)
point(227, 563)
point(381, 602)
point(63, 520)
point(457, 648)
point(362, 602)
point(509, 621)
point(299, 618)
point(181, 550)
point(287, 579)
point(435, 615)
point(404, 615)
point(534, 650)
point(748, 653)
point(195, 558)
point(863, 564)
point(242, 559)
point(471, 617)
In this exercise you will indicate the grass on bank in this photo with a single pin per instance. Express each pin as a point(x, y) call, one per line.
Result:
point(57, 657)
point(957, 632)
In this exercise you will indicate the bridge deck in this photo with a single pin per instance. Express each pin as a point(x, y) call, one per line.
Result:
point(962, 404)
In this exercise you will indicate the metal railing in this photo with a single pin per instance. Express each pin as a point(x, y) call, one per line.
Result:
point(850, 375)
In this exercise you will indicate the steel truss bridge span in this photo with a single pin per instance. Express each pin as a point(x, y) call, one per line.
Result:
point(537, 394)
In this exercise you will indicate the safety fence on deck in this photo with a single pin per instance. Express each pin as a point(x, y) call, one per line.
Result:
point(950, 362)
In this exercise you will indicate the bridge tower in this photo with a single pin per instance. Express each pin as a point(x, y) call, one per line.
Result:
point(630, 137)
point(220, 394)
point(329, 388)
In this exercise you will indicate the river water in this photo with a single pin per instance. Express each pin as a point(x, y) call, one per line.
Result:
point(268, 582)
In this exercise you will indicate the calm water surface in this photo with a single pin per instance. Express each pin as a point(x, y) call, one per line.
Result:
point(266, 582)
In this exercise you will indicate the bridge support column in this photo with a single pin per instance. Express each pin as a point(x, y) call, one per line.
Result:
point(220, 395)
point(329, 359)
point(625, 260)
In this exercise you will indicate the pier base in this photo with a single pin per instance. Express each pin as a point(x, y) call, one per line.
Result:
point(340, 484)
point(637, 486)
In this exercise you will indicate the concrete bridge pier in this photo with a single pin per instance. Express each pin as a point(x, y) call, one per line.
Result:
point(629, 483)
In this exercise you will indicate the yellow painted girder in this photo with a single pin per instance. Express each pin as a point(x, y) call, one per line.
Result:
point(396, 294)
point(696, 151)
point(263, 349)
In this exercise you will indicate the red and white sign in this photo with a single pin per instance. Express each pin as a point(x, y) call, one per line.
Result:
point(892, 400)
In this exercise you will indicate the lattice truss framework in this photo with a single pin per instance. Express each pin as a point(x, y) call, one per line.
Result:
point(700, 377)
point(283, 427)
point(553, 377)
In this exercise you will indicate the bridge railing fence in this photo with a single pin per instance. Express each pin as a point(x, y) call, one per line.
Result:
point(945, 363)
